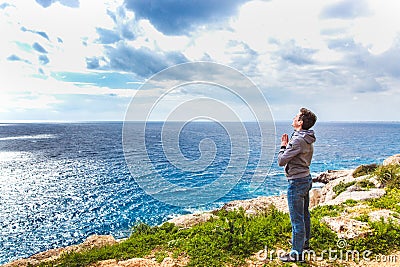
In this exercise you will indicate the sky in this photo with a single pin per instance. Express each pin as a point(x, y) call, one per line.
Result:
point(75, 60)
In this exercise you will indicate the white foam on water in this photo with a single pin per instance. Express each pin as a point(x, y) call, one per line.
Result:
point(23, 137)
point(7, 156)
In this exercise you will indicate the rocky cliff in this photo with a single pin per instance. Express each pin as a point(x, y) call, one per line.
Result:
point(339, 187)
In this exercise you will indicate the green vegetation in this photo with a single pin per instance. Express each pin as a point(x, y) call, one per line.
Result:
point(231, 239)
point(327, 211)
point(389, 175)
point(390, 200)
point(365, 184)
point(341, 187)
point(364, 170)
point(385, 237)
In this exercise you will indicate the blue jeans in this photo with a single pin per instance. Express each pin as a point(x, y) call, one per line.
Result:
point(298, 201)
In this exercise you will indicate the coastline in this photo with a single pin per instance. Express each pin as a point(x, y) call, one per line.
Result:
point(345, 226)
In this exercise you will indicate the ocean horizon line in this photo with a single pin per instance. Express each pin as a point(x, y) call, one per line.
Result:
point(160, 121)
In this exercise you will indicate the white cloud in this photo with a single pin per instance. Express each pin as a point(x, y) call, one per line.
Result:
point(380, 30)
point(286, 47)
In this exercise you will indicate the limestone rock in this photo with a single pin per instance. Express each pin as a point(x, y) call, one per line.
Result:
point(169, 262)
point(346, 227)
point(315, 197)
point(53, 254)
point(135, 262)
point(331, 175)
point(327, 192)
point(97, 241)
point(190, 220)
point(395, 159)
point(356, 195)
point(259, 204)
point(387, 215)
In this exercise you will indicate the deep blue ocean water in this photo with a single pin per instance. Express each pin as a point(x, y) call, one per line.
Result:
point(61, 182)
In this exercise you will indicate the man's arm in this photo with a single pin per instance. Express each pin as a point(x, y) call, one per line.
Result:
point(287, 153)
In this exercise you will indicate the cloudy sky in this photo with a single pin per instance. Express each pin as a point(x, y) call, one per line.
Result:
point(85, 60)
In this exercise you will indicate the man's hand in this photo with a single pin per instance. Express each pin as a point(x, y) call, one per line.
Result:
point(284, 140)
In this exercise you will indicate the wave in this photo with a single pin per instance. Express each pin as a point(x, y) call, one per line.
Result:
point(25, 137)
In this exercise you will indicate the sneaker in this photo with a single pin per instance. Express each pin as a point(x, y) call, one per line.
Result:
point(288, 258)
point(306, 248)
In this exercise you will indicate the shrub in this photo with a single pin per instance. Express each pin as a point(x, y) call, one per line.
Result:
point(389, 175)
point(365, 184)
point(341, 187)
point(364, 170)
point(390, 200)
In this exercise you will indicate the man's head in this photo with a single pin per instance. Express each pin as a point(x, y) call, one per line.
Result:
point(305, 119)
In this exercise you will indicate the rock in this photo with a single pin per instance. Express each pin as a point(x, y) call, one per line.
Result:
point(346, 227)
point(327, 192)
point(53, 254)
point(387, 215)
point(331, 175)
point(138, 262)
point(96, 241)
point(315, 197)
point(395, 159)
point(135, 262)
point(141, 262)
point(355, 195)
point(376, 182)
point(190, 220)
point(259, 204)
point(169, 262)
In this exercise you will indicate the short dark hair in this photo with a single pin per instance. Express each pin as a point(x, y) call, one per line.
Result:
point(308, 118)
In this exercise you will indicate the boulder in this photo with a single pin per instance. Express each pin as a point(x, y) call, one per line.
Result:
point(315, 197)
point(190, 220)
point(53, 254)
point(356, 195)
point(327, 192)
point(259, 204)
point(395, 159)
point(384, 214)
point(346, 227)
point(135, 262)
point(331, 175)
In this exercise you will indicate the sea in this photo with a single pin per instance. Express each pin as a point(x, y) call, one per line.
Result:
point(62, 182)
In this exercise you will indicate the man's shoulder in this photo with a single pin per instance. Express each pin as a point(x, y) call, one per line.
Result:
point(298, 140)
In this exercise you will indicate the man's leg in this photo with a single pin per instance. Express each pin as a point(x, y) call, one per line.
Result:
point(307, 220)
point(296, 211)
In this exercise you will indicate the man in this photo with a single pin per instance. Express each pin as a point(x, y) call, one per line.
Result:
point(296, 154)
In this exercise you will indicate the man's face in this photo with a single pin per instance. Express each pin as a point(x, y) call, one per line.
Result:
point(297, 124)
